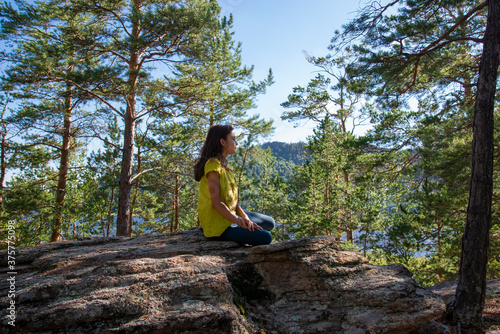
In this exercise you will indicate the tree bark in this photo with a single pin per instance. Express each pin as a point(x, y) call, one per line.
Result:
point(349, 232)
point(470, 295)
point(174, 225)
point(123, 215)
point(63, 166)
point(110, 207)
point(136, 192)
point(176, 216)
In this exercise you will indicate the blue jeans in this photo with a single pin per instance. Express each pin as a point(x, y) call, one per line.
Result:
point(244, 236)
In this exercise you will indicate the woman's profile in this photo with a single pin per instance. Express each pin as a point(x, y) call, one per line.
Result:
point(218, 207)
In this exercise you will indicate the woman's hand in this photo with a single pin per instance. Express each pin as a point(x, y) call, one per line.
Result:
point(245, 222)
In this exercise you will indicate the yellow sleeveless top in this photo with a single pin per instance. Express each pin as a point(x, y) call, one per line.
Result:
point(212, 222)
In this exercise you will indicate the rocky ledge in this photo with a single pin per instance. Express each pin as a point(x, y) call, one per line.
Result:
point(184, 283)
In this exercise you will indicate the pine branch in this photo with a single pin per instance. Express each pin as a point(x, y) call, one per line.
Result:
point(454, 27)
point(143, 172)
point(100, 98)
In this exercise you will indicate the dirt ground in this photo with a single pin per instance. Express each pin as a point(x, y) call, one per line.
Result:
point(491, 313)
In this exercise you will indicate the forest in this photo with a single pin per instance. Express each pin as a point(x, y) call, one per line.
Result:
point(96, 142)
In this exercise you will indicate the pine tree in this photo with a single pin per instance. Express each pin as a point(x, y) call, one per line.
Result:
point(331, 93)
point(141, 34)
point(5, 145)
point(469, 300)
point(215, 87)
point(103, 168)
point(332, 101)
point(172, 151)
point(430, 51)
point(51, 44)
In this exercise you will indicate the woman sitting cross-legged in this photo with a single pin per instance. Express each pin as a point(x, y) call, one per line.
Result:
point(218, 206)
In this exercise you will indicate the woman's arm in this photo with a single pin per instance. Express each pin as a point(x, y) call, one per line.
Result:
point(240, 211)
point(217, 204)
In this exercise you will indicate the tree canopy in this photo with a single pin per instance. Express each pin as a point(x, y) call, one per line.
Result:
point(105, 105)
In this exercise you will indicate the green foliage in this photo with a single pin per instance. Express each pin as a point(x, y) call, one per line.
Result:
point(65, 56)
point(29, 202)
point(421, 267)
point(398, 193)
point(418, 64)
point(214, 87)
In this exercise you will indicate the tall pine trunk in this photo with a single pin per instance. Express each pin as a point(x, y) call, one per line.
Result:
point(470, 295)
point(110, 207)
point(177, 190)
point(123, 215)
point(63, 166)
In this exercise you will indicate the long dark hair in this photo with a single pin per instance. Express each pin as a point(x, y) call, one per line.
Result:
point(212, 148)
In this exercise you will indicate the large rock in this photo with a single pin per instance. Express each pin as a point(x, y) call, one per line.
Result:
point(184, 283)
point(447, 289)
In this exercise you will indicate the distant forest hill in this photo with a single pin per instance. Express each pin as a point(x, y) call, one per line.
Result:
point(293, 152)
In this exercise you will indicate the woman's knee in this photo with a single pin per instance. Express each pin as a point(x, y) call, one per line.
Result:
point(268, 223)
point(264, 221)
point(265, 238)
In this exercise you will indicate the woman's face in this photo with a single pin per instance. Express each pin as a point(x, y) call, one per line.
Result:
point(229, 144)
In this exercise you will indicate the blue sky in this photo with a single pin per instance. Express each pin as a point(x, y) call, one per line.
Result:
point(274, 34)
